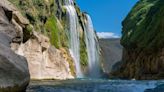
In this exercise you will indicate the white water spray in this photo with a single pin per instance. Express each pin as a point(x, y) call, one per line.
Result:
point(74, 36)
point(92, 49)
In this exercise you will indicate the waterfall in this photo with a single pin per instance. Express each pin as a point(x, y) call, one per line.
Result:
point(74, 36)
point(92, 49)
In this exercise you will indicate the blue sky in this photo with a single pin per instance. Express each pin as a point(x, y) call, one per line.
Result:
point(107, 15)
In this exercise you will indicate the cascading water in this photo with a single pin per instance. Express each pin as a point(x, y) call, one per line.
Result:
point(74, 36)
point(92, 49)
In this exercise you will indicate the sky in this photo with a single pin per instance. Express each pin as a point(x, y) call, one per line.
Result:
point(107, 15)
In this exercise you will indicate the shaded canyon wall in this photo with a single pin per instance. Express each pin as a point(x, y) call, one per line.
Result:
point(143, 42)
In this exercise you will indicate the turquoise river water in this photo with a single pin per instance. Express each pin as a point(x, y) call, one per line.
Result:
point(95, 85)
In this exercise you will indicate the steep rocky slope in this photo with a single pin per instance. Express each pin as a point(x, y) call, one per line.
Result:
point(14, 72)
point(45, 39)
point(143, 32)
point(111, 50)
point(42, 40)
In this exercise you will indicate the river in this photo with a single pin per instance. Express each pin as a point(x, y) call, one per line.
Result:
point(93, 85)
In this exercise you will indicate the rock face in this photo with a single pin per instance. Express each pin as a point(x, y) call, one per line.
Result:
point(45, 43)
point(49, 18)
point(44, 37)
point(14, 73)
point(111, 53)
point(45, 61)
point(143, 32)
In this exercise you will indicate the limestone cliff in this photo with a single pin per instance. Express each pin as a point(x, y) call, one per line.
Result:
point(44, 40)
point(45, 61)
point(143, 32)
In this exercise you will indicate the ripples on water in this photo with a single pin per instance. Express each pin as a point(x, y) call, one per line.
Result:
point(89, 85)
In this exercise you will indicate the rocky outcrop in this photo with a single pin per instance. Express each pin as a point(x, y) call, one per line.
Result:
point(143, 32)
point(45, 43)
point(14, 73)
point(13, 21)
point(111, 50)
point(45, 61)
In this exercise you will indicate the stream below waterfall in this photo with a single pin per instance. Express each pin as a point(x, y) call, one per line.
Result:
point(95, 85)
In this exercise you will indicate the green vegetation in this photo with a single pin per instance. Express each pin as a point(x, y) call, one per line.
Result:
point(42, 18)
point(72, 67)
point(83, 52)
point(27, 32)
point(53, 31)
point(36, 11)
point(143, 41)
point(57, 35)
point(143, 28)
point(29, 28)
point(49, 18)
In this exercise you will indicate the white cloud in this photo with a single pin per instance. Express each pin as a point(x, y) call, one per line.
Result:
point(107, 35)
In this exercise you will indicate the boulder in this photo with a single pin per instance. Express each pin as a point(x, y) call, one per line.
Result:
point(14, 74)
point(5, 40)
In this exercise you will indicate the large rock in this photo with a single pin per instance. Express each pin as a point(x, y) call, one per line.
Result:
point(143, 42)
point(14, 73)
point(6, 27)
point(5, 40)
point(45, 61)
point(16, 15)
point(12, 22)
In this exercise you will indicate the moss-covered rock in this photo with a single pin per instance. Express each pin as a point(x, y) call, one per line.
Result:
point(53, 31)
point(143, 41)
point(83, 53)
point(142, 28)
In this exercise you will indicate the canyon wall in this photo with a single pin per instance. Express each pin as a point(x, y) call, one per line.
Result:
point(111, 50)
point(143, 42)
point(46, 39)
